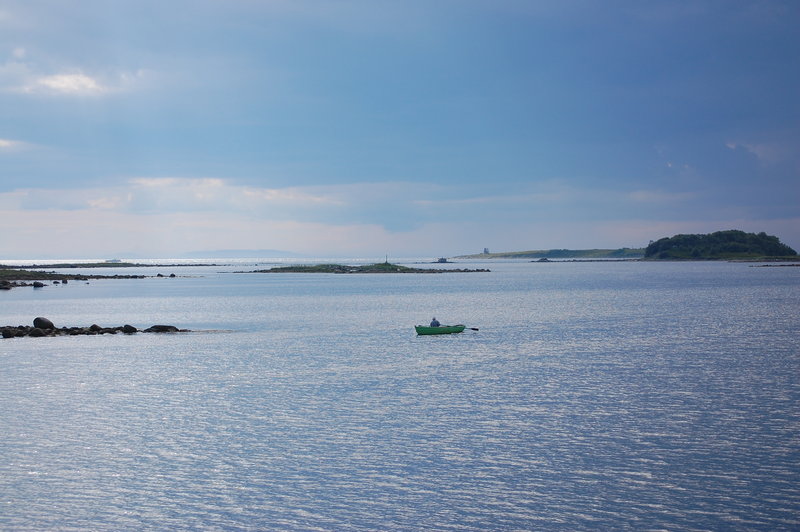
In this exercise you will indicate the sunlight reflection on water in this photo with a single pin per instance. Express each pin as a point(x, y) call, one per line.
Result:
point(594, 396)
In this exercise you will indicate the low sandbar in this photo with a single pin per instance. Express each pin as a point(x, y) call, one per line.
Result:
point(383, 267)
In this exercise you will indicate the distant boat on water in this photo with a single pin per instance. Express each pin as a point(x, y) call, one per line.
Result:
point(442, 329)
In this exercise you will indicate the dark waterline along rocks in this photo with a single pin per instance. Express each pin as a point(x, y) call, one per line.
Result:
point(44, 327)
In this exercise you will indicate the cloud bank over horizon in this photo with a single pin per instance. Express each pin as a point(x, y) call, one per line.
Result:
point(165, 217)
point(410, 128)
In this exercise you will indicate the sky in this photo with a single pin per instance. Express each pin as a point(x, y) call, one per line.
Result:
point(405, 128)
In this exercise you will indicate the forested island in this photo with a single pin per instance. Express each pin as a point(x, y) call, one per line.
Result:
point(722, 245)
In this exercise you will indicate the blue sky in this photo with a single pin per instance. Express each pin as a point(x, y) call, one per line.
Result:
point(414, 128)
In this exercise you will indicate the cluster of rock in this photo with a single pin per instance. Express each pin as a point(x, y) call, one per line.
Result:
point(8, 284)
point(44, 327)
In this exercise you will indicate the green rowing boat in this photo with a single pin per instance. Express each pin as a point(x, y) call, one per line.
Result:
point(442, 329)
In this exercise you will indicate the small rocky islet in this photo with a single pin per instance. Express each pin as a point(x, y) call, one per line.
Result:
point(43, 327)
point(381, 267)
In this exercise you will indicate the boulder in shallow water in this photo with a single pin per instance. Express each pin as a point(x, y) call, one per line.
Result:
point(161, 329)
point(129, 329)
point(43, 323)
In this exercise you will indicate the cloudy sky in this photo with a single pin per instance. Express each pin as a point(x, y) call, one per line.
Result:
point(147, 128)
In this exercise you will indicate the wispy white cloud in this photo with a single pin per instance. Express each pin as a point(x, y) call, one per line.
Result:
point(81, 84)
point(11, 145)
point(6, 144)
point(766, 152)
point(165, 183)
point(23, 75)
point(174, 194)
point(67, 84)
point(287, 195)
point(214, 194)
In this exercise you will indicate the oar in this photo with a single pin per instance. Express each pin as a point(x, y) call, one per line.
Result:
point(472, 328)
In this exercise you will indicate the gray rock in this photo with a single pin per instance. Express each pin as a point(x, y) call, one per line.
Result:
point(161, 329)
point(43, 323)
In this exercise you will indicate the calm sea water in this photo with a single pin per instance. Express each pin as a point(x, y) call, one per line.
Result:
point(594, 396)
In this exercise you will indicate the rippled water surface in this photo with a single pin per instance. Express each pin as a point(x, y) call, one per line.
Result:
point(594, 396)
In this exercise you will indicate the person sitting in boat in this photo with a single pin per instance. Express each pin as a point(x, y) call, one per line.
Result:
point(435, 322)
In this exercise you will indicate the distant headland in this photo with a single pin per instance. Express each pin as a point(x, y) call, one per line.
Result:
point(721, 245)
point(588, 254)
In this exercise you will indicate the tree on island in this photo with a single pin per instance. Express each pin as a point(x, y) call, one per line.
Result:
point(730, 244)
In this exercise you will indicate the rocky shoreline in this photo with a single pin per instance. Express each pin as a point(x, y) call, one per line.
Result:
point(43, 327)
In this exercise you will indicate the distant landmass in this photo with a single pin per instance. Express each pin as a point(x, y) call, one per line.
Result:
point(239, 254)
point(587, 254)
point(722, 245)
